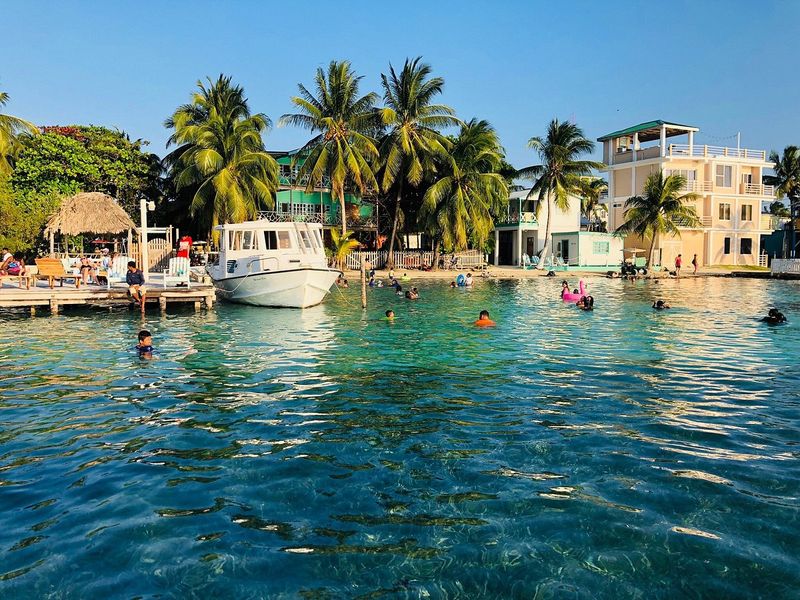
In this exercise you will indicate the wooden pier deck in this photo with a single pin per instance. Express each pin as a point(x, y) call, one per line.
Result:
point(11, 296)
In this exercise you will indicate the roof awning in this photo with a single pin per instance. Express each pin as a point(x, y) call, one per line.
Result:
point(650, 131)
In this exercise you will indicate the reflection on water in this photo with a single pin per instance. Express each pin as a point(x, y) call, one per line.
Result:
point(329, 453)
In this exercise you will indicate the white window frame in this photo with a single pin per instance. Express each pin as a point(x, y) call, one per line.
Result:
point(725, 211)
point(725, 177)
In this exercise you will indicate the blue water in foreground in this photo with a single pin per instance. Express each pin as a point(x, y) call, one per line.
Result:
point(624, 453)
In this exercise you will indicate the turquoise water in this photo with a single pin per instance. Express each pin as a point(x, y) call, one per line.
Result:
point(622, 453)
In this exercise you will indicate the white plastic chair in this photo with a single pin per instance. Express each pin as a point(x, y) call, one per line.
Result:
point(177, 272)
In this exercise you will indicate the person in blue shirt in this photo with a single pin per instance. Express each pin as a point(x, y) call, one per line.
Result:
point(135, 280)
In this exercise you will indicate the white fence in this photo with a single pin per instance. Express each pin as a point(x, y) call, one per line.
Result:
point(415, 259)
point(785, 265)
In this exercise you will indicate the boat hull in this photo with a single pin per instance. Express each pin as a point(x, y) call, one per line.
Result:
point(293, 288)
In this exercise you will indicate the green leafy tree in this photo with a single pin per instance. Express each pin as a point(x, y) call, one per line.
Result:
point(342, 245)
point(590, 190)
point(413, 139)
point(344, 124)
point(87, 158)
point(559, 174)
point(787, 184)
point(23, 216)
point(661, 209)
point(221, 154)
point(469, 189)
point(12, 130)
point(779, 209)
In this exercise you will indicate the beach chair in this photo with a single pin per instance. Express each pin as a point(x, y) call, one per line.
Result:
point(117, 272)
point(52, 269)
point(177, 272)
point(529, 262)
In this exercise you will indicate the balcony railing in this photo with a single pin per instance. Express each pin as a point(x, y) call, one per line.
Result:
point(773, 222)
point(698, 187)
point(515, 218)
point(758, 189)
point(274, 216)
point(681, 150)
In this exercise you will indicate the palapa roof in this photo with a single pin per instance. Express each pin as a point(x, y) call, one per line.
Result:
point(90, 212)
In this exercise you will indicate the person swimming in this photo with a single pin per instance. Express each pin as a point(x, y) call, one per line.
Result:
point(774, 317)
point(390, 315)
point(660, 305)
point(586, 303)
point(484, 320)
point(564, 288)
point(145, 344)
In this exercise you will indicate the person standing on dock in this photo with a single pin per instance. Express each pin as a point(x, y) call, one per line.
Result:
point(135, 280)
point(678, 263)
point(695, 264)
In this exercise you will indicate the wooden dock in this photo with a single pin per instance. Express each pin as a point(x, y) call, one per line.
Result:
point(11, 296)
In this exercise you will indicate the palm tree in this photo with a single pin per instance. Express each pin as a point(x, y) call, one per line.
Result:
point(591, 188)
point(413, 139)
point(222, 153)
point(661, 209)
point(344, 124)
point(11, 128)
point(560, 171)
point(787, 183)
point(469, 189)
point(342, 245)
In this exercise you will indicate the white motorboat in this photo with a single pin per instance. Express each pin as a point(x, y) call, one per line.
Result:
point(272, 264)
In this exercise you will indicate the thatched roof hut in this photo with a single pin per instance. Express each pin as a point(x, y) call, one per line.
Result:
point(89, 212)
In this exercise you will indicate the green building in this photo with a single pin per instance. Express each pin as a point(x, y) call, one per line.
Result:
point(295, 202)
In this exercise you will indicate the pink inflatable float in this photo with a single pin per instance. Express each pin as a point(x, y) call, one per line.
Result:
point(568, 296)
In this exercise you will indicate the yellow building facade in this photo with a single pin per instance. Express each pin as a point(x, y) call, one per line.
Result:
point(727, 182)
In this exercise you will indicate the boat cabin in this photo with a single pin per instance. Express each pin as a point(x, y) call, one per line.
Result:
point(259, 246)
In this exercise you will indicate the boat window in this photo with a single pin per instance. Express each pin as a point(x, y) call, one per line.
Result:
point(248, 240)
point(284, 242)
point(306, 240)
point(271, 239)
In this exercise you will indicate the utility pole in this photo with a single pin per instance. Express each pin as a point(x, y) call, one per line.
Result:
point(363, 282)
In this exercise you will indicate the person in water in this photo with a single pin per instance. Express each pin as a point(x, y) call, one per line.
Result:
point(564, 288)
point(371, 281)
point(453, 284)
point(586, 303)
point(390, 315)
point(484, 320)
point(774, 317)
point(145, 344)
point(468, 280)
point(660, 305)
point(414, 294)
point(405, 277)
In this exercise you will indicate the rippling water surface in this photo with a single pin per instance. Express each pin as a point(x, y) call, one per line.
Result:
point(622, 453)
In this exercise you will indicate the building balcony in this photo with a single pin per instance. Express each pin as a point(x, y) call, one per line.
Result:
point(516, 218)
point(695, 151)
point(773, 222)
point(757, 189)
point(327, 219)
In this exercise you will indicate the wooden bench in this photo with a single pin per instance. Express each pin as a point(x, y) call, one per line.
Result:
point(21, 280)
point(52, 269)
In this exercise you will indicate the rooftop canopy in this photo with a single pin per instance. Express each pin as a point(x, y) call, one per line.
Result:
point(650, 131)
point(89, 212)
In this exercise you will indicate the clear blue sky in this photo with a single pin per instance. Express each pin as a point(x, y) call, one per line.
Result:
point(724, 66)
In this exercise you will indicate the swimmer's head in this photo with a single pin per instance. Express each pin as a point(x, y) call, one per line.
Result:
point(145, 338)
point(484, 315)
point(390, 314)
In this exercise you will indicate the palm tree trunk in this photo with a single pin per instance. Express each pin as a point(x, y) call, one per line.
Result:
point(343, 210)
point(435, 265)
point(546, 248)
point(390, 260)
point(650, 254)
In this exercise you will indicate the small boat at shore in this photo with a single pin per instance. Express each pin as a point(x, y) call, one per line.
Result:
point(272, 264)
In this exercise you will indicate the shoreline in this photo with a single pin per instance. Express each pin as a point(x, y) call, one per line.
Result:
point(518, 273)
